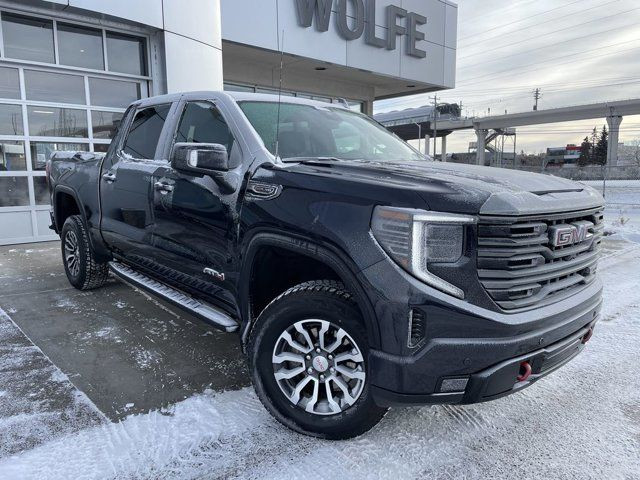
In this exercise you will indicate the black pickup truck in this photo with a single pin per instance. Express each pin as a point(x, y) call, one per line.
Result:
point(358, 273)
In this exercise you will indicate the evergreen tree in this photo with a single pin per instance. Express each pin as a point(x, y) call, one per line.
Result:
point(600, 151)
point(585, 152)
point(594, 140)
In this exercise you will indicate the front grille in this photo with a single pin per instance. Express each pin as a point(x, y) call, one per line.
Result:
point(520, 267)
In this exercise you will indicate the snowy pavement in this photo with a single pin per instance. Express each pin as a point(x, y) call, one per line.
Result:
point(581, 422)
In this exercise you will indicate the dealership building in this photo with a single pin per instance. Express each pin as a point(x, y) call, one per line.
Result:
point(69, 68)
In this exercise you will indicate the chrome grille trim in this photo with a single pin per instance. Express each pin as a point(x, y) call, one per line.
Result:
point(520, 268)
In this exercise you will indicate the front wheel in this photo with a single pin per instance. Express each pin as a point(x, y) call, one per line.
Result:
point(308, 354)
point(80, 265)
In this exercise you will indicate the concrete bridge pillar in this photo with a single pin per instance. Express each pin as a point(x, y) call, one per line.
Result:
point(427, 144)
point(481, 134)
point(614, 137)
point(444, 148)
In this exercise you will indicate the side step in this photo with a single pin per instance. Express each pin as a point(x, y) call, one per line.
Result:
point(205, 312)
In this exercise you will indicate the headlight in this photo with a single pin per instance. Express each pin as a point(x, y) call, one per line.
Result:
point(416, 239)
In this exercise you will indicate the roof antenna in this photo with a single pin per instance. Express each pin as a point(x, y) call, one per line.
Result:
point(279, 91)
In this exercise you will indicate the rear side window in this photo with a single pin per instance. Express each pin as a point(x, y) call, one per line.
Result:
point(202, 122)
point(145, 130)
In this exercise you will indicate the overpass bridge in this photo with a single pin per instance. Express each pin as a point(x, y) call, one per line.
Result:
point(405, 121)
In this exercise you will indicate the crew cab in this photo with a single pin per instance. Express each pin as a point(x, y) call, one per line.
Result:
point(357, 273)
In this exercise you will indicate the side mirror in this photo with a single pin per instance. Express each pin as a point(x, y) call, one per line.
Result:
point(200, 157)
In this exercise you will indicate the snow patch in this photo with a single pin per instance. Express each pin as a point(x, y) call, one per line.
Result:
point(146, 359)
point(141, 444)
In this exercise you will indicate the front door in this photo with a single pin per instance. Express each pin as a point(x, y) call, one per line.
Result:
point(196, 215)
point(126, 186)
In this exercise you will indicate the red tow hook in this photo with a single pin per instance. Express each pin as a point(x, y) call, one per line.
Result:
point(525, 371)
point(587, 336)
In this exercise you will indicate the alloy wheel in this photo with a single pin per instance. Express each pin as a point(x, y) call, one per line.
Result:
point(319, 367)
point(72, 253)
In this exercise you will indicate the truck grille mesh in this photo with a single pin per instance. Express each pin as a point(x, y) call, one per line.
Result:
point(520, 267)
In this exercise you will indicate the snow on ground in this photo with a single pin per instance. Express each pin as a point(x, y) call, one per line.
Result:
point(581, 422)
point(38, 401)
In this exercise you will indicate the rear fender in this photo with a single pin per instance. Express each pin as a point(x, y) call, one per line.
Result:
point(100, 250)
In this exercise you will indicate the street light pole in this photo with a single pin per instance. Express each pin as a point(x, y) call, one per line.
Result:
point(435, 125)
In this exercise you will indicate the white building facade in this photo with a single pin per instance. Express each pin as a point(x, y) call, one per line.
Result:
point(69, 68)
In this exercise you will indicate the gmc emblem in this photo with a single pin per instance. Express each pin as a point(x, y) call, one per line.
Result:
point(568, 234)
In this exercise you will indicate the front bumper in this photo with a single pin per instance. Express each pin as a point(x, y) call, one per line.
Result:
point(499, 380)
point(465, 341)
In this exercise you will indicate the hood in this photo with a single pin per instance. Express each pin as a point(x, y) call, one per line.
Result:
point(472, 188)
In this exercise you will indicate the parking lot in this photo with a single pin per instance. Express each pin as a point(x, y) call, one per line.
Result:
point(113, 384)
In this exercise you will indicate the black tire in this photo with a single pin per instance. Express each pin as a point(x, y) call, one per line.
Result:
point(325, 300)
point(81, 267)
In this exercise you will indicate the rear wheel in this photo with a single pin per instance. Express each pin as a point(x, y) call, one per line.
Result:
point(308, 354)
point(80, 265)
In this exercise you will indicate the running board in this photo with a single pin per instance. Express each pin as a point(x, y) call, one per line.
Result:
point(205, 312)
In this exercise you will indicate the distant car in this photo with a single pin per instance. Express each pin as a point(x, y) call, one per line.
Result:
point(358, 273)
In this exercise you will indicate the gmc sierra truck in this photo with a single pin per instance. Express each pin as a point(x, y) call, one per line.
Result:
point(358, 273)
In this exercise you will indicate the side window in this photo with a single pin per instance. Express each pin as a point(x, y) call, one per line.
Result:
point(202, 122)
point(145, 131)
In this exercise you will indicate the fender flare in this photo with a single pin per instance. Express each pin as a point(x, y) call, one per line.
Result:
point(333, 257)
point(69, 191)
point(98, 247)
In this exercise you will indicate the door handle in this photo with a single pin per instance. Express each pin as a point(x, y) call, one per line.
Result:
point(109, 177)
point(163, 187)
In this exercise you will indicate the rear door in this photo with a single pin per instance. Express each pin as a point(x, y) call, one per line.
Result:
point(196, 218)
point(126, 188)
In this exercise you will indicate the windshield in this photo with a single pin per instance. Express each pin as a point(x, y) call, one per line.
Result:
point(310, 131)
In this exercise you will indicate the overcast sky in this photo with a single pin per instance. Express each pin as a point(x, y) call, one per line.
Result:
point(575, 51)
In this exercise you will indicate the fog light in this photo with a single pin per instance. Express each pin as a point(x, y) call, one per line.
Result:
point(449, 385)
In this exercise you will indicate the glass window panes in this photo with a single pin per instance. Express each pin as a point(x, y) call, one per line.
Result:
point(11, 120)
point(80, 46)
point(113, 93)
point(41, 191)
point(145, 130)
point(42, 151)
point(12, 156)
point(54, 87)
point(232, 87)
point(27, 38)
point(105, 124)
point(202, 122)
point(126, 54)
point(356, 107)
point(57, 122)
point(9, 83)
point(101, 147)
point(14, 191)
point(274, 91)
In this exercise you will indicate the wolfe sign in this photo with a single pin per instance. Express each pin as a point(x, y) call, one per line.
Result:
point(399, 22)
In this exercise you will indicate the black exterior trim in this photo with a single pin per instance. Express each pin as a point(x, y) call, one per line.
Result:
point(331, 257)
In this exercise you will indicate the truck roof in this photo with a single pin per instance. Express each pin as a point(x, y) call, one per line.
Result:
point(236, 96)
